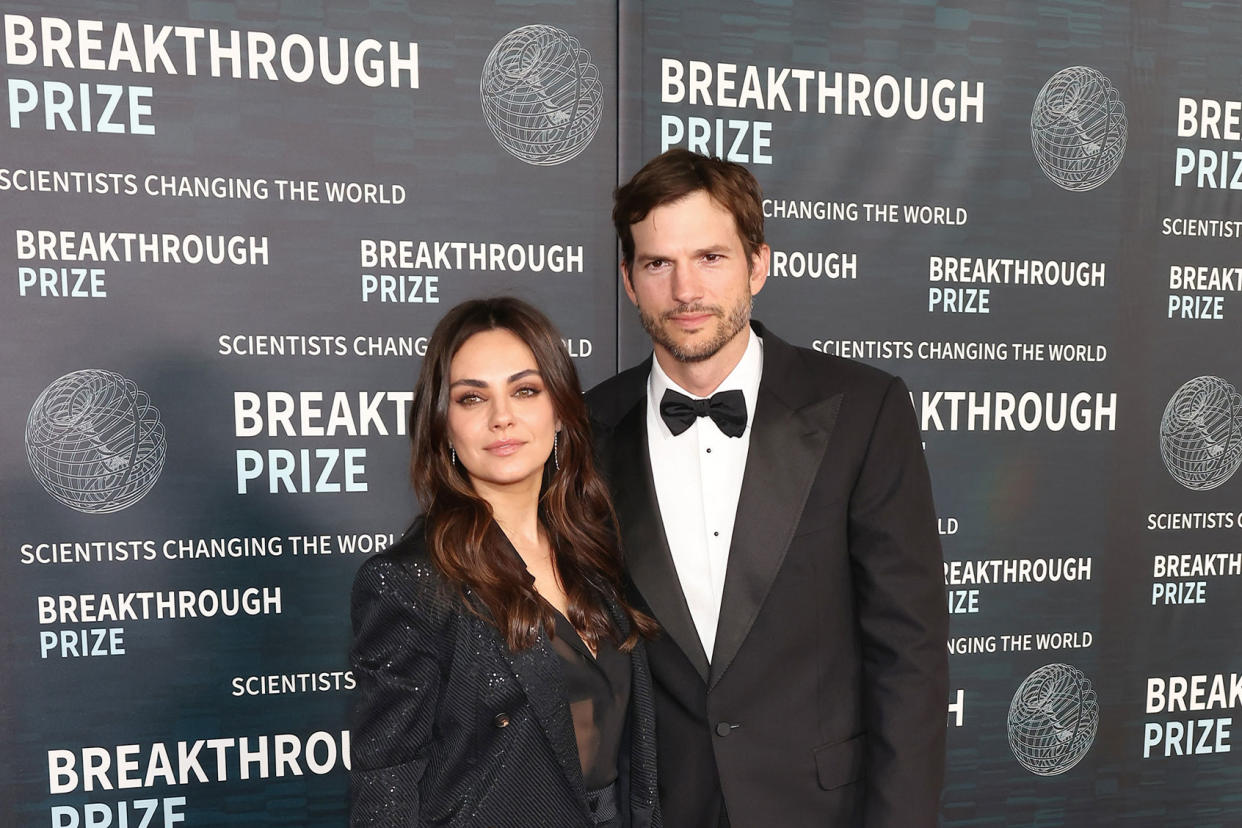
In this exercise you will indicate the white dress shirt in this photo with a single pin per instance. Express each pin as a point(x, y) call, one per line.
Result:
point(698, 478)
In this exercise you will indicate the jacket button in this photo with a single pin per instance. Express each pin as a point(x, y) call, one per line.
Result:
point(724, 729)
point(501, 720)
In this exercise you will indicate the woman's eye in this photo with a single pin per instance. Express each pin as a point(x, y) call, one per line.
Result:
point(527, 391)
point(469, 399)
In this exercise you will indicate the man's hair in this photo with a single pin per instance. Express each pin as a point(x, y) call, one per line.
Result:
point(677, 173)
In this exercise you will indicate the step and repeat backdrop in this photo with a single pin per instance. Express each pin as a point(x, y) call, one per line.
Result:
point(1029, 211)
point(229, 228)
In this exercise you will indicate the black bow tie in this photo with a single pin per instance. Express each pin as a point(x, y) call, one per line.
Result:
point(726, 408)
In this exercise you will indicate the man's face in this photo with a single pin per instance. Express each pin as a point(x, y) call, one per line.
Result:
point(691, 279)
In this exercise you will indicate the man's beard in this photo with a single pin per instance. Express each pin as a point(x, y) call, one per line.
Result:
point(727, 327)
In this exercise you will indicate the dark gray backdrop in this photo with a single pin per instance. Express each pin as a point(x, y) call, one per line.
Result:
point(1010, 496)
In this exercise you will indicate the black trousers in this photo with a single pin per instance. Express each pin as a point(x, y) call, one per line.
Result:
point(605, 807)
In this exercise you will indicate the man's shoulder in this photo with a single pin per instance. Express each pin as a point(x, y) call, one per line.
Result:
point(613, 398)
point(822, 374)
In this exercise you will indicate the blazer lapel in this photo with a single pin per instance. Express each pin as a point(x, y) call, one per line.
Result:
point(639, 757)
point(787, 446)
point(645, 545)
point(539, 672)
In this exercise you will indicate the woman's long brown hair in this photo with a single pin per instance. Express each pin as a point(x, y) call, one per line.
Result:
point(574, 509)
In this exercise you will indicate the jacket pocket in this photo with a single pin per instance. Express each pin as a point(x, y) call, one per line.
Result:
point(822, 517)
point(840, 763)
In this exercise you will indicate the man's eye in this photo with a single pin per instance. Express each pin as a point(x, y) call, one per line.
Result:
point(712, 257)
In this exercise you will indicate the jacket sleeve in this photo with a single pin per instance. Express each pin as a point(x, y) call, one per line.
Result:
point(397, 629)
point(898, 574)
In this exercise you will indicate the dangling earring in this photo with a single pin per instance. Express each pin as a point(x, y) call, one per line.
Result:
point(556, 454)
point(453, 453)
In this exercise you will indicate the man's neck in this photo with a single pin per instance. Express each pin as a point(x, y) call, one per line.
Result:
point(703, 378)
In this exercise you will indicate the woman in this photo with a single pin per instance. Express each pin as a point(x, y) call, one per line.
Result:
point(501, 681)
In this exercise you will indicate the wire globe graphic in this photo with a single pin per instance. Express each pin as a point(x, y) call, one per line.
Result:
point(1078, 128)
point(541, 95)
point(1053, 719)
point(95, 442)
point(1201, 433)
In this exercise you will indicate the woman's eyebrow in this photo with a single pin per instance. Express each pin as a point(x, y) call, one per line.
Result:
point(474, 383)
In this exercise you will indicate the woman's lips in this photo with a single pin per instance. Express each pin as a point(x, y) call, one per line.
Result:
point(504, 447)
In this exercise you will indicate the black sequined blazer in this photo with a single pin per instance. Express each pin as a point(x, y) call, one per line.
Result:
point(451, 728)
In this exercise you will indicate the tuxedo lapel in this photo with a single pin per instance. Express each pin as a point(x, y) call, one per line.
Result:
point(645, 545)
point(787, 445)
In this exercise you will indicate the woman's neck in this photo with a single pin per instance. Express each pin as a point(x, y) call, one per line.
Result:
point(516, 511)
point(517, 514)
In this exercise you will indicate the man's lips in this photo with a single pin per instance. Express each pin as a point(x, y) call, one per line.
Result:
point(504, 447)
point(690, 320)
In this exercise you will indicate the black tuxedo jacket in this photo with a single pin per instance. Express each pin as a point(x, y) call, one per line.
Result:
point(824, 702)
point(452, 728)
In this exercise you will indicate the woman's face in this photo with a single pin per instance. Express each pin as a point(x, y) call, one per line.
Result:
point(500, 416)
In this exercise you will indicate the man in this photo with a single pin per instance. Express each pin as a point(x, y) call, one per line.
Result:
point(777, 519)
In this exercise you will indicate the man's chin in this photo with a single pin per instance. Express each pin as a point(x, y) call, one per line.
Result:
point(691, 346)
point(692, 349)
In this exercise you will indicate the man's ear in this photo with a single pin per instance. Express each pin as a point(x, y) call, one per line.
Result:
point(760, 261)
point(628, 282)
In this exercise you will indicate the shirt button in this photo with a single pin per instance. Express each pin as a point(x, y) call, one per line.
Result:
point(724, 729)
point(709, 451)
point(715, 534)
point(501, 720)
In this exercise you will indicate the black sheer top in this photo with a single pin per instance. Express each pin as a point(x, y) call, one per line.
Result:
point(598, 688)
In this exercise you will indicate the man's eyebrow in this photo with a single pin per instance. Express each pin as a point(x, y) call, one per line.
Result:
point(712, 248)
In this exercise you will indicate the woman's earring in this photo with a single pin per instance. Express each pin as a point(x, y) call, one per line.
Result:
point(556, 453)
point(453, 453)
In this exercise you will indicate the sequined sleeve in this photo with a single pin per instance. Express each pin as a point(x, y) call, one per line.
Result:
point(398, 628)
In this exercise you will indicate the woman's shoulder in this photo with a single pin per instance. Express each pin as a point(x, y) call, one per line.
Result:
point(410, 549)
point(405, 570)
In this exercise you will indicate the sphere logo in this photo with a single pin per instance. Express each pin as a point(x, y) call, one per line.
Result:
point(541, 95)
point(1201, 433)
point(1078, 128)
point(95, 442)
point(1053, 719)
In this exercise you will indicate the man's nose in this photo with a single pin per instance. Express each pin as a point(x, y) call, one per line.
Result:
point(687, 285)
